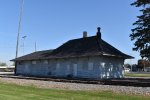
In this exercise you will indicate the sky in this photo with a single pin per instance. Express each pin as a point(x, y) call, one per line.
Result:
point(50, 23)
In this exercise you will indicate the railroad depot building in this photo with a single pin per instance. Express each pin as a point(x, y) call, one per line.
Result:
point(87, 57)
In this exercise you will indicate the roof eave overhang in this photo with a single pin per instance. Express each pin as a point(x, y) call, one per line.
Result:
point(64, 57)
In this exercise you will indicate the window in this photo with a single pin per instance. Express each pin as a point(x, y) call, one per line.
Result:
point(45, 61)
point(90, 66)
point(33, 62)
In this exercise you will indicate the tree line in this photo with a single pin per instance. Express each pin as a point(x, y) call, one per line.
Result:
point(3, 64)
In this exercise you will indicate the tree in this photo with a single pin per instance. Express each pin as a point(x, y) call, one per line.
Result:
point(127, 66)
point(141, 33)
point(3, 64)
point(143, 63)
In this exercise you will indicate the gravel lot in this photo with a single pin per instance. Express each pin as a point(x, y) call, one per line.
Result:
point(78, 86)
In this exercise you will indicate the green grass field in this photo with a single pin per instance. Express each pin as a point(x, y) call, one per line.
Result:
point(15, 92)
point(137, 74)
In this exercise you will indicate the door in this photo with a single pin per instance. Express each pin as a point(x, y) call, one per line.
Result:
point(26, 70)
point(75, 70)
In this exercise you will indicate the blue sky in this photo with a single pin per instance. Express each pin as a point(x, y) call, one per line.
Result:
point(52, 22)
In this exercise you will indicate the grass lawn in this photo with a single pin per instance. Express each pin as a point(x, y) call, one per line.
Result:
point(137, 75)
point(15, 92)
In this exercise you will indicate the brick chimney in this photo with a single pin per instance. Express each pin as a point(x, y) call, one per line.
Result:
point(98, 32)
point(84, 34)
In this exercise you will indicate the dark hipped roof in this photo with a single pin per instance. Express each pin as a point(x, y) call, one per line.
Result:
point(82, 47)
point(33, 56)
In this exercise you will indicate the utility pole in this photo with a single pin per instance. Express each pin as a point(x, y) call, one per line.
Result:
point(24, 37)
point(18, 35)
point(131, 63)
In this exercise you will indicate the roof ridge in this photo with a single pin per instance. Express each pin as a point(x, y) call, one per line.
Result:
point(82, 38)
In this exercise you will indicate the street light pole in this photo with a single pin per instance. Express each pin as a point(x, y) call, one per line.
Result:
point(18, 35)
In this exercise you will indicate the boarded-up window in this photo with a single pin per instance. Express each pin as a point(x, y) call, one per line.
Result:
point(26, 69)
point(45, 61)
point(57, 66)
point(90, 66)
point(68, 67)
point(85, 66)
point(75, 69)
point(33, 62)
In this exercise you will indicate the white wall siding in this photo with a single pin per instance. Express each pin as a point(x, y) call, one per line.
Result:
point(88, 67)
